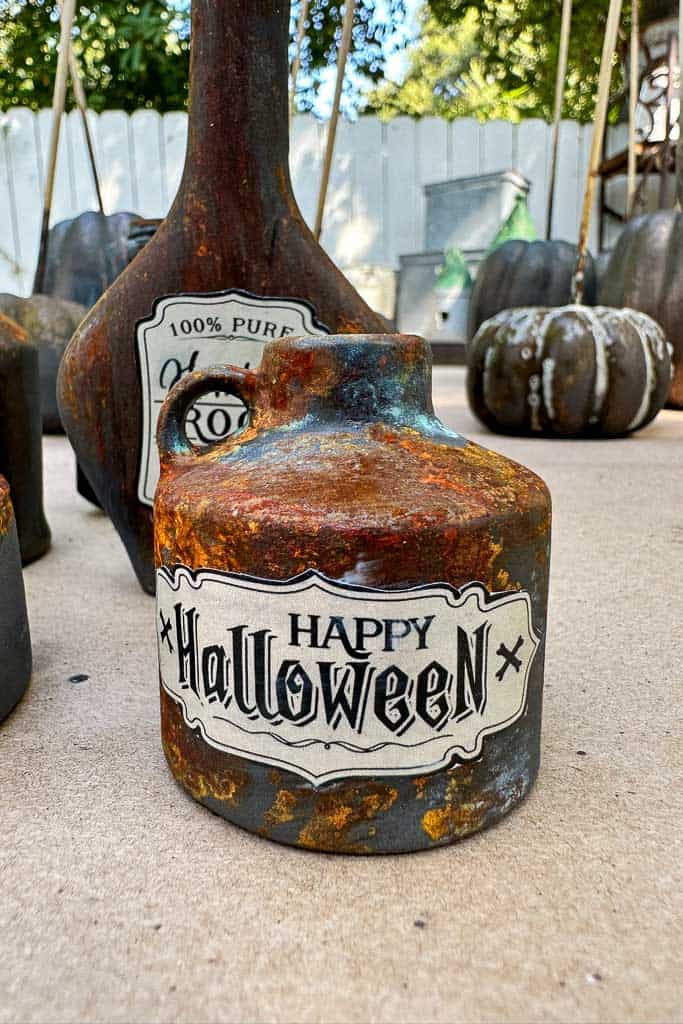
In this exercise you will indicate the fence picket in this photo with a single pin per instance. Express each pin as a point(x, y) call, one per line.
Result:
point(533, 140)
point(147, 157)
point(376, 208)
point(497, 147)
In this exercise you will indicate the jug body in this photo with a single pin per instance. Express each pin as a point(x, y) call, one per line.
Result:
point(351, 605)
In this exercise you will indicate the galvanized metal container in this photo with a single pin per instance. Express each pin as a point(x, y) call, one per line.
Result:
point(424, 308)
point(351, 605)
point(467, 212)
point(15, 641)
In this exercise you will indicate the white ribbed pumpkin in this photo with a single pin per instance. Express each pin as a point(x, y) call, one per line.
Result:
point(571, 371)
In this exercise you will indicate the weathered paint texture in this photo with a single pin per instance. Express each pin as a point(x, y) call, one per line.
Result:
point(645, 272)
point(346, 470)
point(234, 224)
point(574, 371)
point(21, 458)
point(15, 641)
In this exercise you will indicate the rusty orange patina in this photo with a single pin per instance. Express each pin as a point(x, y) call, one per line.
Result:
point(345, 470)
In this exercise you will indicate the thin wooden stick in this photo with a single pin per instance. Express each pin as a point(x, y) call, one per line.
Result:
point(633, 96)
point(601, 104)
point(58, 100)
point(296, 63)
point(672, 50)
point(679, 144)
point(344, 48)
point(82, 104)
point(557, 115)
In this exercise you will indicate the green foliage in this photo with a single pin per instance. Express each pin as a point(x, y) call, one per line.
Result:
point(136, 54)
point(373, 23)
point(518, 41)
point(132, 54)
point(485, 58)
point(446, 77)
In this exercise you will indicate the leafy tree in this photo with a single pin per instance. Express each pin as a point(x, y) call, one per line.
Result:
point(131, 54)
point(517, 44)
point(374, 22)
point(446, 78)
point(135, 53)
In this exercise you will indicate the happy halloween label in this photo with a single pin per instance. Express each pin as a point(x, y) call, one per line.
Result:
point(191, 332)
point(331, 680)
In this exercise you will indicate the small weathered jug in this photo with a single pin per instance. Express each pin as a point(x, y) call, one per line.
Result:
point(351, 604)
point(21, 454)
point(15, 641)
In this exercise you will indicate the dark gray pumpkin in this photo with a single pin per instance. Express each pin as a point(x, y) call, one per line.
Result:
point(571, 372)
point(140, 232)
point(49, 323)
point(85, 255)
point(645, 272)
point(526, 274)
point(15, 641)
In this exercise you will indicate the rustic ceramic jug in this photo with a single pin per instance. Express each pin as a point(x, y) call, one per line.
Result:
point(15, 641)
point(232, 266)
point(351, 604)
point(21, 455)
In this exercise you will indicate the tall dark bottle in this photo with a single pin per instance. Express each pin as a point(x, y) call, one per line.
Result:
point(232, 267)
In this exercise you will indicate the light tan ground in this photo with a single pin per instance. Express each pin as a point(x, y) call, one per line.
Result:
point(122, 900)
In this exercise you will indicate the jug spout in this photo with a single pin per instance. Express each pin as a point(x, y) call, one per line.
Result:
point(357, 378)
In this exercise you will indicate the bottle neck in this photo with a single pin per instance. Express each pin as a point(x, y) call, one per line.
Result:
point(238, 139)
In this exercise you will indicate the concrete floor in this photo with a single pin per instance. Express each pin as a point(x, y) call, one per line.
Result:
point(123, 900)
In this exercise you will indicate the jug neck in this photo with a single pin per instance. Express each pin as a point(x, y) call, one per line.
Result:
point(238, 136)
point(346, 379)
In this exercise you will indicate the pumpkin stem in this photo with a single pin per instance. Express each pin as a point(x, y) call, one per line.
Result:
point(601, 103)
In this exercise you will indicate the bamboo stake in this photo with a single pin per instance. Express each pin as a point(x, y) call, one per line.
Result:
point(633, 95)
point(679, 144)
point(601, 103)
point(82, 104)
point(557, 114)
point(672, 51)
point(58, 100)
point(344, 48)
point(296, 63)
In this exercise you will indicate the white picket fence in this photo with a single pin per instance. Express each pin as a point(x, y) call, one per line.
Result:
point(376, 206)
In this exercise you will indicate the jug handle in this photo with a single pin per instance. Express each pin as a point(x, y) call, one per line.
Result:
point(171, 435)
